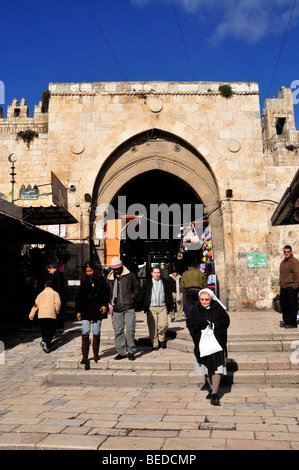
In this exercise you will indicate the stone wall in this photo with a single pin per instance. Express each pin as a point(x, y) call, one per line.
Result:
point(88, 135)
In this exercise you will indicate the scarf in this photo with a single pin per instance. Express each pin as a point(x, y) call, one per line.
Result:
point(212, 295)
point(115, 289)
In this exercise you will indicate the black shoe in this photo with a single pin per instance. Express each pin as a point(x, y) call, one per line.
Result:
point(289, 325)
point(155, 348)
point(119, 356)
point(215, 399)
point(131, 357)
point(162, 344)
point(282, 324)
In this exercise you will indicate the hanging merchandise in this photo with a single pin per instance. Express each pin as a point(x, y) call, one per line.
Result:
point(194, 236)
point(207, 265)
point(187, 234)
point(191, 239)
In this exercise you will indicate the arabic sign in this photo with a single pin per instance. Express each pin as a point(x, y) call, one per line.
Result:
point(28, 193)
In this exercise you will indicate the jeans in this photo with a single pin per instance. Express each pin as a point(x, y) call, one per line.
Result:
point(96, 327)
point(124, 342)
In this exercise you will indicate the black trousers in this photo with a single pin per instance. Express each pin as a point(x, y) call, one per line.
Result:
point(48, 329)
point(191, 297)
point(289, 305)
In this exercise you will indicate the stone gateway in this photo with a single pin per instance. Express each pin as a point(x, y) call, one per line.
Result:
point(167, 143)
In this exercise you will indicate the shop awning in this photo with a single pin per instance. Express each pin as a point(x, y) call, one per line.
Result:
point(52, 215)
point(287, 211)
point(19, 231)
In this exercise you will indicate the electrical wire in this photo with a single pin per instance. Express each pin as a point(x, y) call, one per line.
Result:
point(105, 39)
point(281, 47)
point(183, 41)
point(195, 78)
point(118, 63)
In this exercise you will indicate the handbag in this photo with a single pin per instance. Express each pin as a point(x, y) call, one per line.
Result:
point(208, 344)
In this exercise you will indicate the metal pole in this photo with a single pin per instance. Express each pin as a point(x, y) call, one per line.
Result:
point(12, 181)
point(12, 161)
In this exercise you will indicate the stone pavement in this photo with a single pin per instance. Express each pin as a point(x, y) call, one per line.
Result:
point(45, 404)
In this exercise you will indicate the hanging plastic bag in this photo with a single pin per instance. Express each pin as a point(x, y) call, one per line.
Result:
point(208, 344)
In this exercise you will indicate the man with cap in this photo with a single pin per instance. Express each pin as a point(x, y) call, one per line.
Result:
point(124, 288)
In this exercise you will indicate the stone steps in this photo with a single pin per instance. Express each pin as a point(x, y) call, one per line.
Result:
point(252, 358)
point(151, 377)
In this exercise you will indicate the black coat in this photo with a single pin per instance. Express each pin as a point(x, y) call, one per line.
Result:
point(145, 294)
point(91, 298)
point(197, 320)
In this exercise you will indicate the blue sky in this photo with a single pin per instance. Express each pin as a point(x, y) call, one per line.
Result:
point(147, 40)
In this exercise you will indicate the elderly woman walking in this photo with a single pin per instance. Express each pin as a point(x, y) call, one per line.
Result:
point(209, 311)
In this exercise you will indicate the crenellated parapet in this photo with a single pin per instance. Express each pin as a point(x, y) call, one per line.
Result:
point(18, 119)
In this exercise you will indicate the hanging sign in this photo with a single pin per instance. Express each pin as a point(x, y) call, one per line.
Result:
point(29, 192)
point(257, 260)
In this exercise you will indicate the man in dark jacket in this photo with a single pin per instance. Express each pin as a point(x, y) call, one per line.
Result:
point(156, 300)
point(289, 288)
point(192, 281)
point(124, 288)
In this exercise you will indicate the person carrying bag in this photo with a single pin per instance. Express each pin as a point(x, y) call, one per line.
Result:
point(208, 344)
point(208, 321)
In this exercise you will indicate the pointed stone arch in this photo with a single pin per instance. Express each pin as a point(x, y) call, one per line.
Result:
point(166, 152)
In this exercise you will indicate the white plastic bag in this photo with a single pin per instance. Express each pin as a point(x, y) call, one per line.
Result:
point(208, 344)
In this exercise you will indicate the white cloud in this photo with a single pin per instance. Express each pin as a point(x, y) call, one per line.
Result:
point(250, 20)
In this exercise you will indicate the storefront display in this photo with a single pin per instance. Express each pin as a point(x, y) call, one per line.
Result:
point(201, 245)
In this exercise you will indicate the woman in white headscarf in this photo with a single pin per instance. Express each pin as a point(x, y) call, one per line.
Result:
point(209, 310)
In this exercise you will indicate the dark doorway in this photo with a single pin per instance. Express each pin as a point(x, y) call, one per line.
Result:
point(156, 188)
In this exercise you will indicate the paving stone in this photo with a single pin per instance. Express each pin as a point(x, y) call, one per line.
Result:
point(218, 426)
point(132, 443)
point(251, 444)
point(198, 443)
point(69, 442)
point(20, 441)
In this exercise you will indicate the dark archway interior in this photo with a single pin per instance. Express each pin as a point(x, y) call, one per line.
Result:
point(155, 188)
